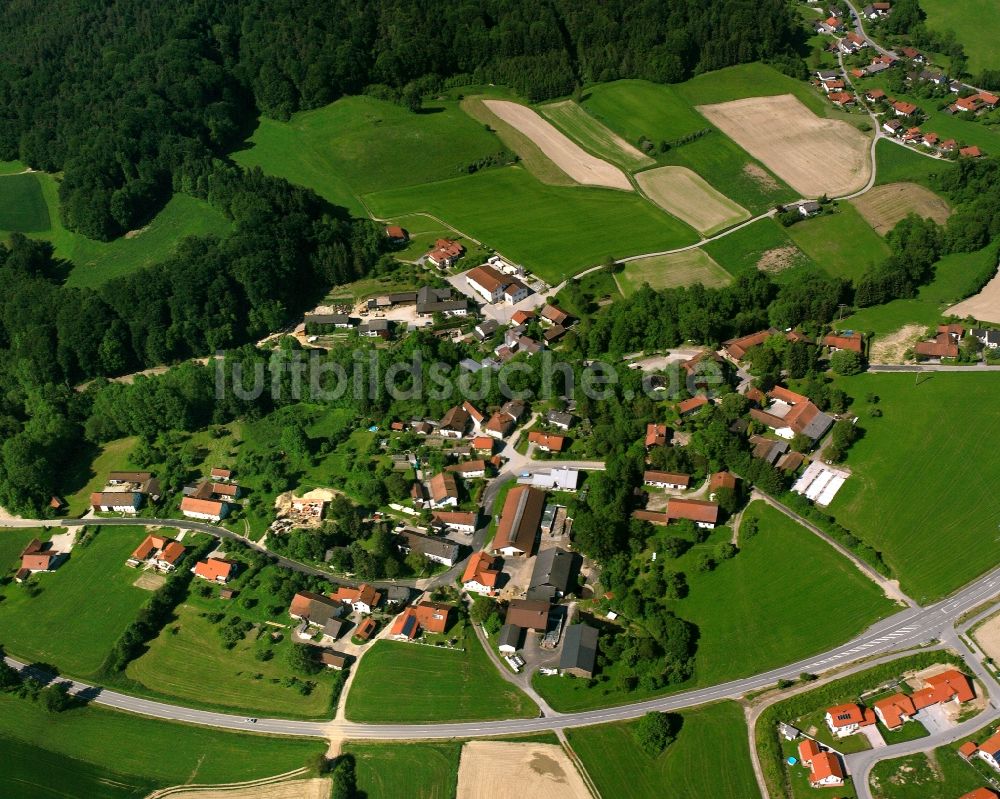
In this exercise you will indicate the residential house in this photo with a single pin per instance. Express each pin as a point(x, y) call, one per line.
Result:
point(564, 421)
point(903, 109)
point(396, 234)
point(791, 414)
point(767, 449)
point(719, 481)
point(494, 286)
point(520, 520)
point(486, 329)
point(948, 146)
point(363, 599)
point(834, 85)
point(454, 423)
point(703, 514)
point(220, 473)
point(315, 609)
point(468, 469)
point(657, 435)
point(431, 301)
point(689, 406)
point(216, 570)
point(529, 614)
point(499, 426)
point(874, 95)
point(445, 253)
point(554, 333)
point(443, 490)
point(547, 442)
point(117, 501)
point(913, 54)
point(333, 660)
point(970, 152)
point(438, 550)
point(579, 652)
point(431, 617)
point(37, 556)
point(553, 573)
point(522, 316)
point(375, 328)
point(892, 127)
point(157, 551)
point(848, 340)
point(556, 316)
point(825, 770)
point(460, 521)
point(989, 751)
point(208, 509)
point(941, 346)
point(659, 479)
point(736, 348)
point(842, 99)
point(482, 574)
point(365, 629)
point(809, 208)
point(988, 338)
point(847, 719)
point(895, 710)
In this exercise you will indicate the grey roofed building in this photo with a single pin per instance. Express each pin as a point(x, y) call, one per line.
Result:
point(486, 328)
point(397, 595)
point(551, 575)
point(334, 627)
point(564, 421)
point(335, 319)
point(471, 365)
point(440, 550)
point(990, 338)
point(810, 207)
point(509, 640)
point(817, 426)
point(579, 652)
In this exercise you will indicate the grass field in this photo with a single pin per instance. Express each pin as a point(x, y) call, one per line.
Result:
point(400, 682)
point(709, 758)
point(920, 475)
point(954, 279)
point(592, 135)
point(752, 80)
point(665, 271)
point(11, 167)
point(81, 609)
point(417, 770)
point(554, 231)
point(884, 206)
point(762, 245)
point(71, 754)
point(12, 543)
point(975, 25)
point(897, 163)
point(914, 777)
point(843, 244)
point(359, 145)
point(22, 204)
point(759, 618)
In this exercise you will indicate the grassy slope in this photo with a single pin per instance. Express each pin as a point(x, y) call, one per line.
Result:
point(22, 204)
point(143, 752)
point(359, 145)
point(82, 608)
point(842, 243)
point(680, 269)
point(555, 231)
point(592, 135)
point(399, 682)
point(974, 22)
point(418, 770)
point(921, 475)
point(90, 472)
point(900, 164)
point(740, 251)
point(709, 758)
point(914, 778)
point(954, 279)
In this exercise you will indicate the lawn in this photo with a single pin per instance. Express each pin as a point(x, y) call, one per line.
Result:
point(842, 243)
point(744, 249)
point(403, 682)
point(11, 167)
point(417, 770)
point(359, 145)
point(710, 757)
point(81, 608)
point(22, 204)
point(665, 271)
point(12, 543)
point(914, 777)
point(899, 164)
point(73, 753)
point(554, 231)
point(593, 135)
point(761, 617)
point(920, 476)
point(955, 277)
point(89, 472)
point(975, 25)
point(638, 108)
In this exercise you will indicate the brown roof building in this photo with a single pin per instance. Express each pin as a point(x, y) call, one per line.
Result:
point(703, 514)
point(531, 614)
point(736, 348)
point(520, 520)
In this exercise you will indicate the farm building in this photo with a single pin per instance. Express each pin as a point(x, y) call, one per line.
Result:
point(482, 574)
point(520, 521)
point(579, 652)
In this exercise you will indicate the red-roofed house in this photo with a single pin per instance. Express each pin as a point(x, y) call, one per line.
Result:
point(483, 444)
point(495, 286)
point(431, 617)
point(217, 570)
point(873, 95)
point(547, 442)
point(903, 109)
point(895, 710)
point(656, 435)
point(666, 479)
point(169, 556)
point(209, 509)
point(691, 405)
point(941, 346)
point(481, 574)
point(721, 480)
point(970, 152)
point(362, 599)
point(790, 414)
point(980, 793)
point(968, 749)
point(703, 514)
point(443, 490)
point(825, 770)
point(842, 99)
point(736, 348)
point(852, 341)
point(396, 234)
point(445, 253)
point(847, 719)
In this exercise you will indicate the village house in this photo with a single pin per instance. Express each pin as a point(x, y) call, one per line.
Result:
point(363, 599)
point(736, 348)
point(443, 490)
point(213, 510)
point(315, 609)
point(396, 234)
point(970, 152)
point(339, 321)
point(431, 301)
point(562, 478)
point(719, 481)
point(547, 442)
point(913, 54)
point(988, 338)
point(157, 551)
point(445, 253)
point(941, 346)
point(703, 514)
point(529, 614)
point(552, 574)
point(874, 95)
point(579, 652)
point(495, 286)
point(520, 521)
point(37, 556)
point(564, 421)
point(848, 340)
point(791, 414)
point(825, 770)
point(117, 501)
point(460, 521)
point(658, 479)
point(365, 630)
point(438, 550)
point(431, 617)
point(468, 470)
point(892, 127)
point(554, 315)
point(482, 574)
point(333, 660)
point(903, 109)
point(215, 570)
point(509, 639)
point(375, 328)
point(657, 435)
point(691, 405)
point(485, 329)
point(847, 719)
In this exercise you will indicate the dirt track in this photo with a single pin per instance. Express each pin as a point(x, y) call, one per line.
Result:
point(681, 192)
point(501, 770)
point(984, 306)
point(293, 789)
point(572, 159)
point(884, 206)
point(813, 155)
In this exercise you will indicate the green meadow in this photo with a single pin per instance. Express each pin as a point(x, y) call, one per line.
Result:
point(898, 163)
point(842, 243)
point(975, 25)
point(22, 204)
point(710, 757)
point(743, 249)
point(421, 770)
point(921, 475)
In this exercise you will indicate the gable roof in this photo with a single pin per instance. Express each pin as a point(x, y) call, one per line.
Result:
point(579, 648)
point(555, 315)
point(737, 347)
point(550, 440)
point(171, 553)
point(483, 568)
point(530, 613)
point(694, 509)
point(722, 480)
point(656, 434)
point(467, 466)
point(520, 519)
point(212, 507)
point(845, 341)
point(894, 708)
point(214, 568)
point(553, 569)
point(692, 404)
point(847, 714)
point(675, 478)
point(443, 486)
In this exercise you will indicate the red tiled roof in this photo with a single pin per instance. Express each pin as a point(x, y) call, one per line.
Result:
point(653, 476)
point(893, 708)
point(483, 568)
point(443, 486)
point(149, 545)
point(214, 569)
point(467, 466)
point(692, 404)
point(845, 715)
point(979, 793)
point(209, 506)
point(483, 443)
point(737, 347)
point(722, 480)
point(395, 232)
point(968, 749)
point(656, 435)
point(970, 152)
point(694, 509)
point(651, 516)
point(171, 553)
point(550, 440)
point(850, 341)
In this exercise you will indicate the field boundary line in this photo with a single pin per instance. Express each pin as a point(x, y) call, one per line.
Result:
point(575, 760)
point(287, 776)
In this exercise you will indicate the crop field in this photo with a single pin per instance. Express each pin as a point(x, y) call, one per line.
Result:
point(188, 662)
point(710, 757)
point(975, 25)
point(359, 145)
point(419, 770)
point(570, 157)
point(751, 80)
point(401, 682)
point(884, 206)
point(576, 123)
point(666, 271)
point(812, 154)
point(842, 243)
point(914, 494)
point(81, 608)
point(681, 192)
point(984, 306)
point(99, 753)
point(554, 231)
point(763, 245)
point(897, 163)
point(22, 204)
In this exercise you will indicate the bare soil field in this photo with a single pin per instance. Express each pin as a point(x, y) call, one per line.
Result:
point(594, 135)
point(891, 348)
point(988, 637)
point(779, 259)
point(150, 581)
point(884, 206)
point(566, 154)
point(292, 789)
point(761, 176)
point(683, 193)
point(500, 770)
point(984, 306)
point(813, 155)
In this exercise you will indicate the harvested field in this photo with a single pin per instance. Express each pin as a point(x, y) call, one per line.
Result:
point(813, 155)
point(592, 134)
point(499, 770)
point(984, 306)
point(681, 192)
point(988, 637)
point(677, 269)
point(891, 348)
point(762, 177)
point(566, 154)
point(150, 581)
point(779, 259)
point(884, 206)
point(292, 789)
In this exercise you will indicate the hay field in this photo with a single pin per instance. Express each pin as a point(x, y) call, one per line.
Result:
point(500, 770)
point(884, 206)
point(566, 154)
point(572, 119)
point(317, 788)
point(667, 271)
point(984, 306)
point(681, 192)
point(813, 155)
